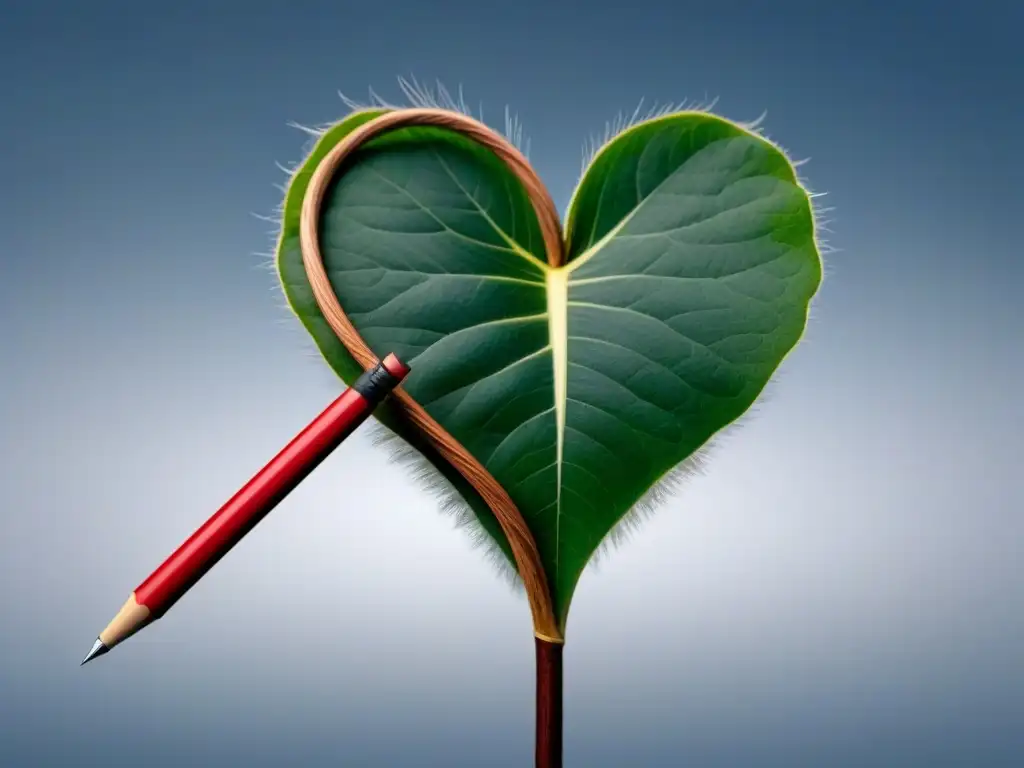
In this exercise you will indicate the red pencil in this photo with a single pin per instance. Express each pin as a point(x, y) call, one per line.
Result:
point(245, 509)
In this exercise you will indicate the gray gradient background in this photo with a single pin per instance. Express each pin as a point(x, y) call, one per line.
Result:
point(843, 588)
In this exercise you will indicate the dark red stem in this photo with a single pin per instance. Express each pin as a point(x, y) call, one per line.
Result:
point(549, 704)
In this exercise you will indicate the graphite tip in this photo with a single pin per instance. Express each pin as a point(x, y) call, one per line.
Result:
point(98, 649)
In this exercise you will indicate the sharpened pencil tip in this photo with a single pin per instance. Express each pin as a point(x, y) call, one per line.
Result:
point(98, 649)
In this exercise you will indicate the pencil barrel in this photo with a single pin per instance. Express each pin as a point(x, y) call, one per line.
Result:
point(243, 511)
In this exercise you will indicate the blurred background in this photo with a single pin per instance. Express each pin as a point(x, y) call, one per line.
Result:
point(842, 588)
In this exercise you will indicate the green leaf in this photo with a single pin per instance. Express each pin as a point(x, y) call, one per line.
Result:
point(691, 263)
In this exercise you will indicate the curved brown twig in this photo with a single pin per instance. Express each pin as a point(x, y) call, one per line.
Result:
point(521, 541)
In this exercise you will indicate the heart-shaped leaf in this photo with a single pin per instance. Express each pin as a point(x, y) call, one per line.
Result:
point(690, 264)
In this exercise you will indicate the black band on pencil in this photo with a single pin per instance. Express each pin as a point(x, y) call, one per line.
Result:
point(375, 384)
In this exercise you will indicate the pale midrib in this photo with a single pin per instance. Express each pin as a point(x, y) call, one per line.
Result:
point(557, 285)
point(557, 290)
point(558, 311)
